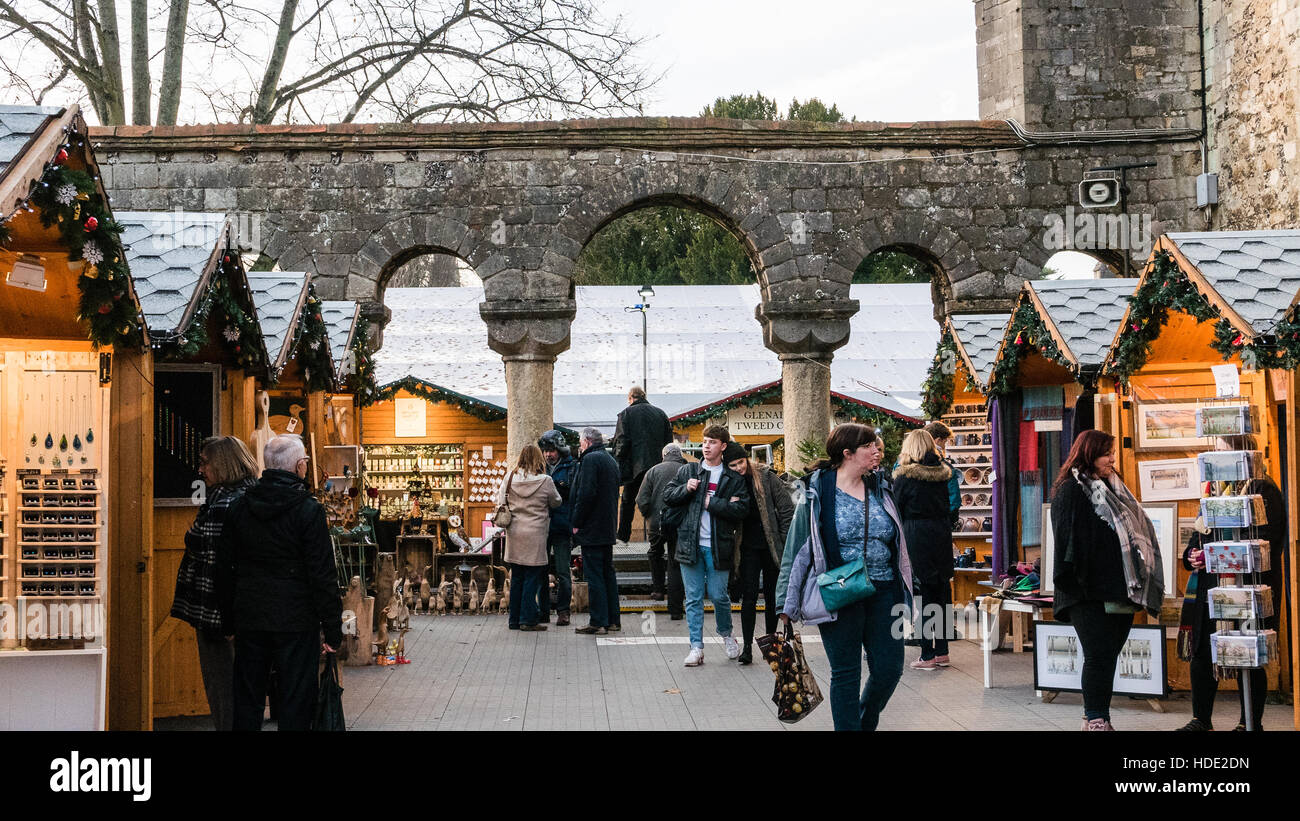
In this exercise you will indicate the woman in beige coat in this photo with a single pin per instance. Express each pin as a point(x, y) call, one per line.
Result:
point(530, 494)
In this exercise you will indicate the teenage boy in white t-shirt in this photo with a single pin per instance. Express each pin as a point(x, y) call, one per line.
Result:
point(716, 500)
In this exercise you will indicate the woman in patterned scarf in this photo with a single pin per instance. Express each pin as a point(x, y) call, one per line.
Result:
point(228, 469)
point(1106, 564)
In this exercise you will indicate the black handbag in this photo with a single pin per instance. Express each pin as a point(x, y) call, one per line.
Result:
point(329, 698)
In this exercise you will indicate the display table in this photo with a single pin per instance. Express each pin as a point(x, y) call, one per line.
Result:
point(1022, 615)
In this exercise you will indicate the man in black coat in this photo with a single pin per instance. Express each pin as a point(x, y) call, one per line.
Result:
point(594, 519)
point(281, 588)
point(639, 438)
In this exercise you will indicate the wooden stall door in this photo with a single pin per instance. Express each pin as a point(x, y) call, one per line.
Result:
point(177, 680)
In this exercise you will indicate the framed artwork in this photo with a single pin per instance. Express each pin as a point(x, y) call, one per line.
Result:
point(1166, 426)
point(1163, 516)
point(1164, 480)
point(1140, 671)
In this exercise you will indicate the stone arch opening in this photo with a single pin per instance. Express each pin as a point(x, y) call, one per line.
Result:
point(904, 263)
point(1093, 264)
point(684, 240)
point(427, 267)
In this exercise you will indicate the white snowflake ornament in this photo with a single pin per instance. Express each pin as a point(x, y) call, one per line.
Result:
point(231, 334)
point(66, 194)
point(92, 254)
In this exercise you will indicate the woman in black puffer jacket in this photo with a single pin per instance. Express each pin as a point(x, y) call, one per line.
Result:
point(921, 492)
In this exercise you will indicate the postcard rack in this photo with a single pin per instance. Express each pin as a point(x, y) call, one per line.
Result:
point(1234, 551)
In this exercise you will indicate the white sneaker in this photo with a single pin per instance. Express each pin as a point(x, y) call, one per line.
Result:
point(733, 647)
point(694, 658)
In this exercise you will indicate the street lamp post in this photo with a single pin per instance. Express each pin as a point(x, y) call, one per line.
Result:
point(645, 292)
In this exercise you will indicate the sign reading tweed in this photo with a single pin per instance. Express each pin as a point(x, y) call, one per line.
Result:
point(760, 420)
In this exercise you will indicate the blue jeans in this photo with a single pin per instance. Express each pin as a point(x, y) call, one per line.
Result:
point(525, 583)
point(562, 549)
point(602, 585)
point(696, 578)
point(865, 624)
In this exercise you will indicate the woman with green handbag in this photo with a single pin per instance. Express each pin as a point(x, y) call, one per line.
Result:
point(844, 568)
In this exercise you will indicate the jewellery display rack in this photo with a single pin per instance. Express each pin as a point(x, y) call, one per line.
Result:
point(1239, 642)
point(392, 470)
point(58, 534)
point(971, 451)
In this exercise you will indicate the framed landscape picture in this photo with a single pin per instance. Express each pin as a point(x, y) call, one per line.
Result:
point(1165, 426)
point(1140, 671)
point(1166, 480)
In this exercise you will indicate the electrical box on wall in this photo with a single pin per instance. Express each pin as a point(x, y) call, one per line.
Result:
point(1207, 190)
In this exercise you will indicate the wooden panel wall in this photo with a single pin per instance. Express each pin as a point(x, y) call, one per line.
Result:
point(444, 423)
point(130, 525)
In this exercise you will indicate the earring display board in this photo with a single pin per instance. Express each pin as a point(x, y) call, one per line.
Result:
point(52, 494)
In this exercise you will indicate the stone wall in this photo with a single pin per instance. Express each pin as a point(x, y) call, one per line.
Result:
point(1253, 80)
point(1089, 64)
point(518, 201)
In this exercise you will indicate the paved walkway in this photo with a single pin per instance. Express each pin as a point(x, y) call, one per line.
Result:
point(471, 673)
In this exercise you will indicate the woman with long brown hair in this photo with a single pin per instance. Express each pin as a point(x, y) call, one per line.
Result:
point(530, 494)
point(1106, 564)
point(228, 469)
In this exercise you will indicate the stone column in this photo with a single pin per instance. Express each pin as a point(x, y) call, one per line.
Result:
point(805, 330)
point(529, 399)
point(529, 334)
point(805, 402)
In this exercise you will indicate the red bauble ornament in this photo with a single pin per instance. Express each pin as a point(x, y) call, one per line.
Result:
point(1018, 339)
point(226, 258)
point(105, 307)
point(1237, 342)
point(91, 223)
point(62, 156)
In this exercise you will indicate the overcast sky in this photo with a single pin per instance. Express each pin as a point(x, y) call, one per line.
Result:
point(875, 59)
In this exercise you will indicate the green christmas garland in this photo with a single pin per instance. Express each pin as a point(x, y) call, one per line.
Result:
point(1028, 333)
point(1165, 288)
point(940, 382)
point(748, 400)
point(359, 366)
point(240, 335)
point(313, 345)
point(70, 200)
point(432, 393)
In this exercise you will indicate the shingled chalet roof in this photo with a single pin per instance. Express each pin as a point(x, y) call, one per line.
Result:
point(171, 255)
point(1255, 274)
point(978, 338)
point(279, 297)
point(1083, 315)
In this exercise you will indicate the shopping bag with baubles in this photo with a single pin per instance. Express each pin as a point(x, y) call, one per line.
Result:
point(796, 693)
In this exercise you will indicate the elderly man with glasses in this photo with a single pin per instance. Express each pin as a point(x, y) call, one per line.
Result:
point(278, 563)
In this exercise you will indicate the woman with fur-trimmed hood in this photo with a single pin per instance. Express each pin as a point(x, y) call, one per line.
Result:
point(921, 493)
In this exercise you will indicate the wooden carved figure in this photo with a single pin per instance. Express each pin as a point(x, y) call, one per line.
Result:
point(473, 596)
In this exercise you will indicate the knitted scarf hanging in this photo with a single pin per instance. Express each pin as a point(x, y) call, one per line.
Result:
point(1044, 403)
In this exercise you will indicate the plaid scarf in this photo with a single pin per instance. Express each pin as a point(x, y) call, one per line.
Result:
point(1138, 544)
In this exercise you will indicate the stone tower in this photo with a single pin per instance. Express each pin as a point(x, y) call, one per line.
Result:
point(1089, 65)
